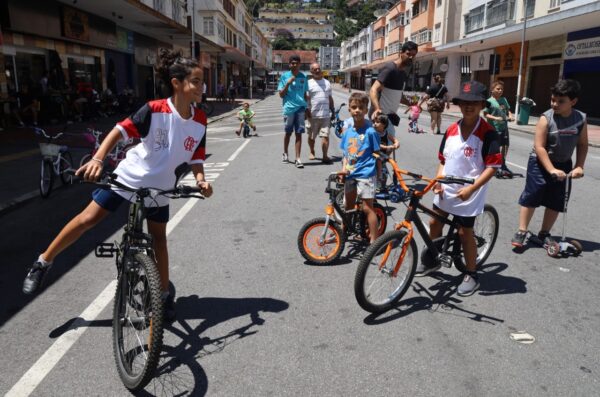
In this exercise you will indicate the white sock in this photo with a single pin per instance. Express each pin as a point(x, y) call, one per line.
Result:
point(43, 261)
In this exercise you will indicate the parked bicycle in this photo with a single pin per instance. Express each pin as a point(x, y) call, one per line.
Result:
point(321, 240)
point(113, 158)
point(56, 160)
point(388, 266)
point(336, 123)
point(138, 308)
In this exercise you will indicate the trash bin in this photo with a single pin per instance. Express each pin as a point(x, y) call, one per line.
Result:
point(525, 106)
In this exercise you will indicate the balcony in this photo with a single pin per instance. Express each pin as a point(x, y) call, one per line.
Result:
point(474, 20)
point(499, 12)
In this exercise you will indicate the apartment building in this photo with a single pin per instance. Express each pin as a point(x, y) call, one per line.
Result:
point(302, 24)
point(356, 56)
point(89, 44)
point(561, 41)
point(247, 53)
point(329, 59)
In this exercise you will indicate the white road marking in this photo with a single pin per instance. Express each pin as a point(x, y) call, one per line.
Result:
point(516, 165)
point(42, 367)
point(238, 151)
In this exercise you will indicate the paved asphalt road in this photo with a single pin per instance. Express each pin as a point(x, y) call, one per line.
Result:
point(255, 320)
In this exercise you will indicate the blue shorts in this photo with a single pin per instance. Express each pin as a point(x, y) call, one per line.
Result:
point(541, 189)
point(110, 201)
point(294, 122)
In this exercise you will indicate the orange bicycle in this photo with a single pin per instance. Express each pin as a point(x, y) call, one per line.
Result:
point(388, 266)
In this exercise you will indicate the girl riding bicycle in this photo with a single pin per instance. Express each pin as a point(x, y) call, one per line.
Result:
point(172, 132)
point(469, 149)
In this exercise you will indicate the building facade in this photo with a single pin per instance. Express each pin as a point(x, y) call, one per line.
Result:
point(301, 24)
point(329, 59)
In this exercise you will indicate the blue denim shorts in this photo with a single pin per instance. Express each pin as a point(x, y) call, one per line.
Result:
point(541, 189)
point(294, 122)
point(110, 201)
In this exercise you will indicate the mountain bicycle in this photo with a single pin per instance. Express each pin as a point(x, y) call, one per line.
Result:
point(388, 266)
point(321, 240)
point(336, 123)
point(113, 158)
point(138, 308)
point(56, 159)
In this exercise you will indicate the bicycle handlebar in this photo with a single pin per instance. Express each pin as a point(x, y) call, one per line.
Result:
point(40, 131)
point(108, 180)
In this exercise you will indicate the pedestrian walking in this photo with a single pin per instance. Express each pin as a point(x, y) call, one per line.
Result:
point(319, 111)
point(436, 99)
point(292, 88)
point(387, 91)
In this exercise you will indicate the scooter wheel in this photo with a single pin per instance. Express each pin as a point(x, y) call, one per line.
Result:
point(577, 247)
point(553, 249)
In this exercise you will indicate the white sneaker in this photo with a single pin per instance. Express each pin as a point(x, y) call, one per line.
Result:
point(299, 164)
point(284, 158)
point(469, 285)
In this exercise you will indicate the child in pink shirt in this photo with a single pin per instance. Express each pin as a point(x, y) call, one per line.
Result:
point(415, 111)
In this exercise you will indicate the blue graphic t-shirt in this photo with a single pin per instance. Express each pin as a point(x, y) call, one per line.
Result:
point(294, 100)
point(358, 147)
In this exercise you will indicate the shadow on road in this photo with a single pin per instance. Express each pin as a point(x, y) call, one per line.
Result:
point(179, 372)
point(441, 296)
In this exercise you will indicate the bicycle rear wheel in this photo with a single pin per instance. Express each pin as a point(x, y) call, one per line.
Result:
point(138, 322)
point(318, 245)
point(486, 232)
point(46, 177)
point(376, 288)
point(66, 162)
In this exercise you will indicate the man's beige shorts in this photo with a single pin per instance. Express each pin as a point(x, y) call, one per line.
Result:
point(318, 126)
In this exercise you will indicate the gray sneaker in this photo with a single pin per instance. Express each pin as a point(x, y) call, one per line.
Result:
point(35, 277)
point(469, 285)
point(423, 270)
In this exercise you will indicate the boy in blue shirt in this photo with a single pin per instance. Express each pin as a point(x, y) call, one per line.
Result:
point(359, 166)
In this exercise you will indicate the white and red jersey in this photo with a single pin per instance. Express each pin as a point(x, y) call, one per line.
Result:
point(467, 158)
point(167, 140)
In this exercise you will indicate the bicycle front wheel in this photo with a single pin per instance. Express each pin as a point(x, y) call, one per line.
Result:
point(321, 245)
point(376, 287)
point(66, 161)
point(46, 177)
point(138, 322)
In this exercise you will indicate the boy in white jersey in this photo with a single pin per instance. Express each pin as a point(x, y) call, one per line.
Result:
point(172, 131)
point(469, 149)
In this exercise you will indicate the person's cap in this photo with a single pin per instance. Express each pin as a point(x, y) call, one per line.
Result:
point(471, 91)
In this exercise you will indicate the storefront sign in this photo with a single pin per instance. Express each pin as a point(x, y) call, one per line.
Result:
point(75, 24)
point(124, 40)
point(509, 60)
point(586, 48)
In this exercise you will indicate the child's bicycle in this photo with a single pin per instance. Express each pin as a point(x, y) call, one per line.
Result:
point(336, 123)
point(388, 266)
point(113, 158)
point(321, 240)
point(56, 160)
point(138, 308)
point(246, 129)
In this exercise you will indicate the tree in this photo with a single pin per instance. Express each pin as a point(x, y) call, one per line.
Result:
point(281, 43)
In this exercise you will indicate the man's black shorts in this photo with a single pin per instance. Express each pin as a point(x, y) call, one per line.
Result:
point(541, 189)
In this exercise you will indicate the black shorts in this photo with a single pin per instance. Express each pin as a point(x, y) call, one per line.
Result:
point(503, 138)
point(110, 201)
point(541, 189)
point(463, 221)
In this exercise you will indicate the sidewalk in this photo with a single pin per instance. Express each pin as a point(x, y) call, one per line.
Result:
point(20, 156)
point(454, 113)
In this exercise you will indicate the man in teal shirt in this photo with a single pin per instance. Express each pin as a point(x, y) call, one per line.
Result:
point(292, 88)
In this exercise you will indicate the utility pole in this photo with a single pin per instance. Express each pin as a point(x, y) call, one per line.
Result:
point(193, 28)
point(521, 57)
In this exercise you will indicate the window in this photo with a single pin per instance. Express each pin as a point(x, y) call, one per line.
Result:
point(208, 26)
point(394, 48)
point(159, 5)
point(229, 8)
point(422, 36)
point(500, 11)
point(474, 20)
point(554, 4)
point(438, 3)
point(221, 30)
point(415, 9)
point(424, 4)
point(177, 10)
point(436, 32)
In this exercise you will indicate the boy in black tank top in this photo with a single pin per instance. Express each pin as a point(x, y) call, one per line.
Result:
point(560, 131)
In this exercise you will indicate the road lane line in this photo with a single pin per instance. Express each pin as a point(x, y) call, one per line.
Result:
point(235, 154)
point(42, 367)
point(32, 378)
point(516, 165)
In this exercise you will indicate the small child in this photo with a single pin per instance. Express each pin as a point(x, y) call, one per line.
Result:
point(469, 149)
point(498, 114)
point(387, 144)
point(415, 111)
point(560, 131)
point(358, 145)
point(245, 115)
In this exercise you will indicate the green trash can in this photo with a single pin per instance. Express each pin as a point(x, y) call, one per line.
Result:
point(525, 106)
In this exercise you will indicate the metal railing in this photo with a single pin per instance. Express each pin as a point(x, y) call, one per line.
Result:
point(499, 12)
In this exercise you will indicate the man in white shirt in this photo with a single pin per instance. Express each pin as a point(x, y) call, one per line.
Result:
point(319, 111)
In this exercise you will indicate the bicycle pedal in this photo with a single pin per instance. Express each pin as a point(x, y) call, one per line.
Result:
point(444, 260)
point(105, 250)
